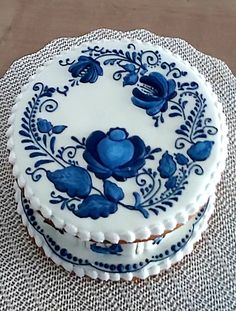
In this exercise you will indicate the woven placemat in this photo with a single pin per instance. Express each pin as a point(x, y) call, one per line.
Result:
point(204, 280)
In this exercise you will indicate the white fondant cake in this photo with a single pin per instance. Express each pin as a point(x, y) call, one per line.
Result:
point(117, 140)
point(114, 261)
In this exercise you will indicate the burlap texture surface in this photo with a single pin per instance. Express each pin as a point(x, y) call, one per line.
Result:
point(204, 280)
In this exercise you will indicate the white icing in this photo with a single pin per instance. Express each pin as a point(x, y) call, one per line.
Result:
point(107, 104)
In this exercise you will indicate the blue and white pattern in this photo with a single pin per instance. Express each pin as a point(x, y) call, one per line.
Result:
point(111, 260)
point(115, 156)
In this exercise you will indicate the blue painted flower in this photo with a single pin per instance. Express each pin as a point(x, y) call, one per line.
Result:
point(87, 69)
point(73, 180)
point(114, 154)
point(44, 126)
point(167, 165)
point(131, 78)
point(154, 94)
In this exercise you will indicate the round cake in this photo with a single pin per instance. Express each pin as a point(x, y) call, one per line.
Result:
point(117, 147)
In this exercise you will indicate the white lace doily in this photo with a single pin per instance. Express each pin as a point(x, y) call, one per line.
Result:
point(204, 280)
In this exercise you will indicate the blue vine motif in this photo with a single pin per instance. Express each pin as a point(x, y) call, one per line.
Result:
point(115, 154)
point(155, 90)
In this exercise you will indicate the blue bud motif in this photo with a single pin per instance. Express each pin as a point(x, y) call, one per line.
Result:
point(200, 151)
point(44, 126)
point(171, 182)
point(167, 165)
point(113, 192)
point(181, 159)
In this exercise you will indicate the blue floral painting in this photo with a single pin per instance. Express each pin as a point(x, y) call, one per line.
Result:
point(115, 156)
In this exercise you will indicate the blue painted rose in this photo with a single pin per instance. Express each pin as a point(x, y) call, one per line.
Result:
point(87, 69)
point(154, 94)
point(114, 154)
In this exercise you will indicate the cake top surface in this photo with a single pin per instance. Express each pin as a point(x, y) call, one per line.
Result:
point(117, 140)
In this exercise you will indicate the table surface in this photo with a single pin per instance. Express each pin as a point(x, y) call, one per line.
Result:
point(27, 25)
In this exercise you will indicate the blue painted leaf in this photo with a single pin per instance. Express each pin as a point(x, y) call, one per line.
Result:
point(181, 159)
point(134, 56)
point(129, 67)
point(167, 165)
point(163, 208)
point(113, 192)
point(127, 54)
point(171, 183)
point(174, 114)
point(23, 133)
point(190, 118)
point(155, 150)
point(73, 180)
point(45, 140)
point(26, 115)
point(175, 108)
point(41, 162)
point(58, 129)
point(200, 136)
point(32, 147)
point(184, 128)
point(109, 61)
point(37, 154)
point(200, 151)
point(95, 206)
point(52, 144)
point(180, 132)
point(188, 123)
point(150, 157)
point(137, 198)
point(116, 248)
point(168, 203)
point(63, 205)
point(25, 127)
point(24, 141)
point(155, 211)
point(24, 120)
point(55, 201)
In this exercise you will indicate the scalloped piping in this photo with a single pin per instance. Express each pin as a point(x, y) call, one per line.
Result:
point(129, 276)
point(143, 232)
